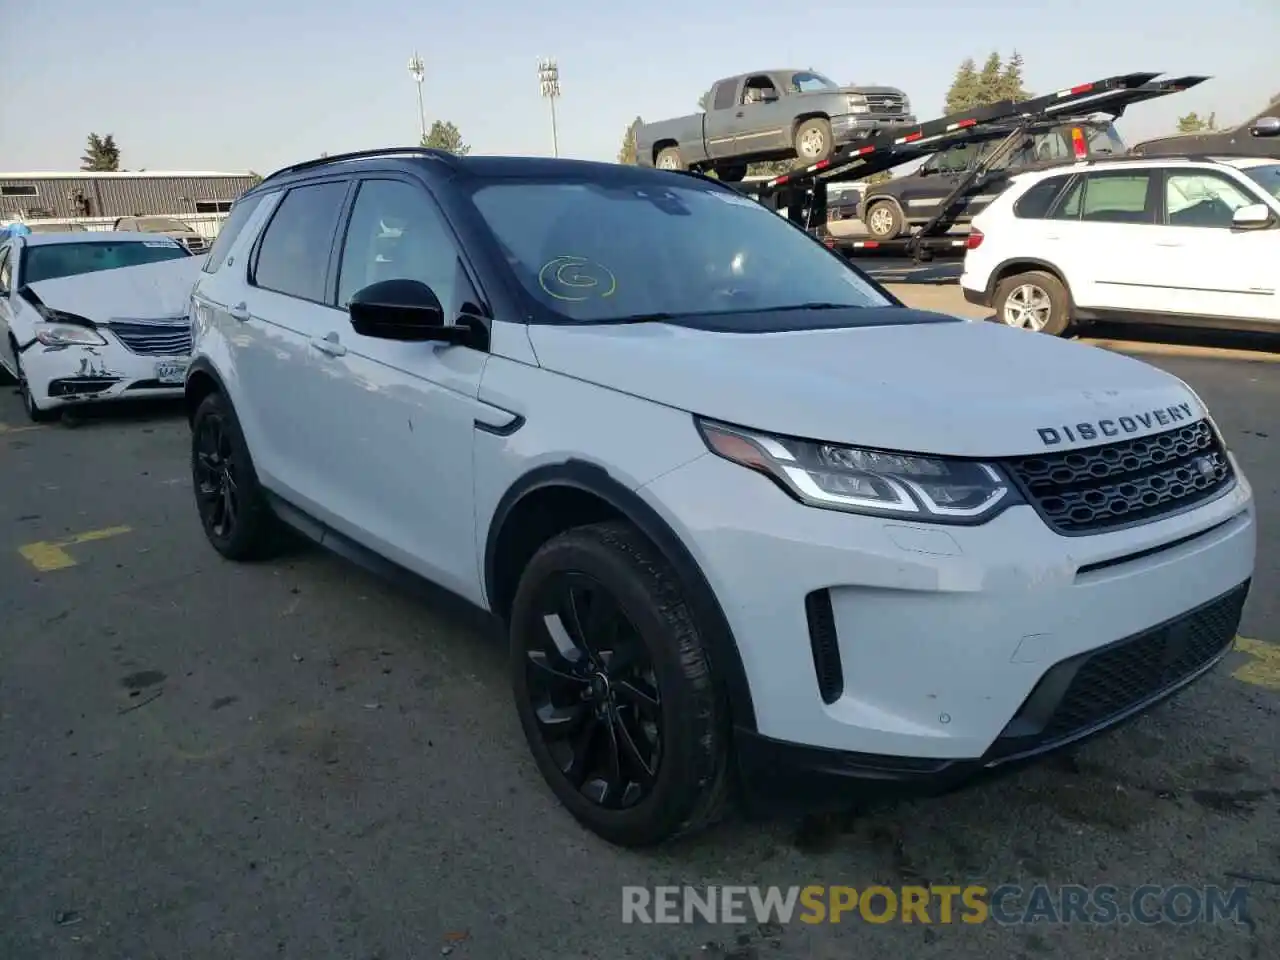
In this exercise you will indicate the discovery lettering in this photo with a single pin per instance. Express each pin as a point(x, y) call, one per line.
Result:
point(1163, 417)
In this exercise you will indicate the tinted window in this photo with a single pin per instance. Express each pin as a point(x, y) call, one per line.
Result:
point(639, 246)
point(294, 255)
point(54, 260)
point(1266, 176)
point(1035, 203)
point(1117, 198)
point(231, 227)
point(1199, 198)
point(396, 233)
point(724, 95)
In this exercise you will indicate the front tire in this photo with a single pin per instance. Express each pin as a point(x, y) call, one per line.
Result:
point(813, 141)
point(233, 507)
point(1036, 301)
point(33, 410)
point(614, 689)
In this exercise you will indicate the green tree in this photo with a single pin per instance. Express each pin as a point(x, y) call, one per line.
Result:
point(704, 101)
point(627, 153)
point(444, 135)
point(1011, 81)
point(255, 177)
point(964, 88)
point(1194, 123)
point(769, 168)
point(991, 80)
point(101, 155)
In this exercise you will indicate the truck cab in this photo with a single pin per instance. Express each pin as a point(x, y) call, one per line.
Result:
point(891, 209)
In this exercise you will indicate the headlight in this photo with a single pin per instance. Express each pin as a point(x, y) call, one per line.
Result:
point(61, 335)
point(873, 482)
point(858, 103)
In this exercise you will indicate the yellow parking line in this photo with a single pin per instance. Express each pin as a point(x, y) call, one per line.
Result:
point(5, 429)
point(47, 555)
point(1263, 668)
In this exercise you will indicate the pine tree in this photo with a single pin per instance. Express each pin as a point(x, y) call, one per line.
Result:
point(1011, 80)
point(101, 154)
point(991, 81)
point(964, 88)
point(444, 135)
point(704, 101)
point(627, 153)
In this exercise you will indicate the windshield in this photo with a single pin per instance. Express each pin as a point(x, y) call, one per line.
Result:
point(593, 253)
point(54, 260)
point(1104, 141)
point(807, 82)
point(1267, 177)
point(162, 225)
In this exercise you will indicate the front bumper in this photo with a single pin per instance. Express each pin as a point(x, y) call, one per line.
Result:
point(66, 376)
point(856, 126)
point(939, 642)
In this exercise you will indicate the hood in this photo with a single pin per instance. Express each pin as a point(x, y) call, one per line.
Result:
point(151, 291)
point(874, 91)
point(963, 389)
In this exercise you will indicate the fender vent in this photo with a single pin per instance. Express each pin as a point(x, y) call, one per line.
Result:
point(826, 649)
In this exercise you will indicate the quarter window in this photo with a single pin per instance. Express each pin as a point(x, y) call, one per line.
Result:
point(294, 256)
point(1202, 199)
point(397, 233)
point(1035, 203)
point(240, 213)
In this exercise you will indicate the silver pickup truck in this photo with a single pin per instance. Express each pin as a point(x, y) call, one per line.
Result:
point(770, 115)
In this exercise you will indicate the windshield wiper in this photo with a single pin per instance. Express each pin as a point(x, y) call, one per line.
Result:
point(812, 305)
point(633, 318)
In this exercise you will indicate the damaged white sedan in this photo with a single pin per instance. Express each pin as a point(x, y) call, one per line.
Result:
point(92, 317)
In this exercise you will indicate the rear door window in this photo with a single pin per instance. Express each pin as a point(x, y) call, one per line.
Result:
point(1118, 196)
point(293, 255)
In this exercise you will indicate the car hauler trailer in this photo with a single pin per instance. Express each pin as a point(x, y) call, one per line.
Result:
point(802, 193)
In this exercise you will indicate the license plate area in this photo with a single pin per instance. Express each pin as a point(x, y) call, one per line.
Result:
point(171, 371)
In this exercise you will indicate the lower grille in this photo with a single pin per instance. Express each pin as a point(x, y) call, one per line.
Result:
point(1088, 691)
point(154, 340)
point(1125, 483)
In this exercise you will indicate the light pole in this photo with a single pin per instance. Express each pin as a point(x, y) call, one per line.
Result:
point(419, 73)
point(549, 80)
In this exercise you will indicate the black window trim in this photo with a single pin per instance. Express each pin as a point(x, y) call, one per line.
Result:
point(344, 225)
point(251, 266)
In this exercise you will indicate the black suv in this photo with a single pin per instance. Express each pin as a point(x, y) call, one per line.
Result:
point(891, 209)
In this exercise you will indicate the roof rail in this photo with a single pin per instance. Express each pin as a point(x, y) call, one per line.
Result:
point(426, 153)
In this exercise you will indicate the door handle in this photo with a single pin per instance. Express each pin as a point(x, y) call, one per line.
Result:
point(329, 345)
point(738, 114)
point(1168, 244)
point(240, 312)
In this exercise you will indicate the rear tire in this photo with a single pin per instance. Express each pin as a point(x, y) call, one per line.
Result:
point(733, 174)
point(614, 688)
point(669, 159)
point(1036, 301)
point(813, 141)
point(237, 519)
point(884, 220)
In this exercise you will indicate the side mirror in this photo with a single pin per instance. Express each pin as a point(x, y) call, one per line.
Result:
point(1253, 217)
point(406, 310)
point(1266, 127)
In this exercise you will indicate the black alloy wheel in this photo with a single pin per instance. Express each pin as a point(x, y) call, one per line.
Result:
point(217, 492)
point(615, 691)
point(594, 693)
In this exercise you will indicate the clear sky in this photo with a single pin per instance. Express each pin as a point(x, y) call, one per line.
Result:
point(257, 84)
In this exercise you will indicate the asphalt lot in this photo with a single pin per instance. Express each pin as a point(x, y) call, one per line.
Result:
point(293, 760)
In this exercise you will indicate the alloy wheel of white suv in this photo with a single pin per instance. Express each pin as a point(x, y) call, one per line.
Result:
point(1035, 301)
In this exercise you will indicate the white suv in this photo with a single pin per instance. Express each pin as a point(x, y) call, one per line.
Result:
point(749, 521)
point(1165, 241)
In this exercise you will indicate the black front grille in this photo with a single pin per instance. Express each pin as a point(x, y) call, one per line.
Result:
point(1116, 679)
point(154, 339)
point(885, 103)
point(1127, 482)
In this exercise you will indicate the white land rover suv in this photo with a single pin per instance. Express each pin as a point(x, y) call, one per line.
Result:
point(753, 525)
